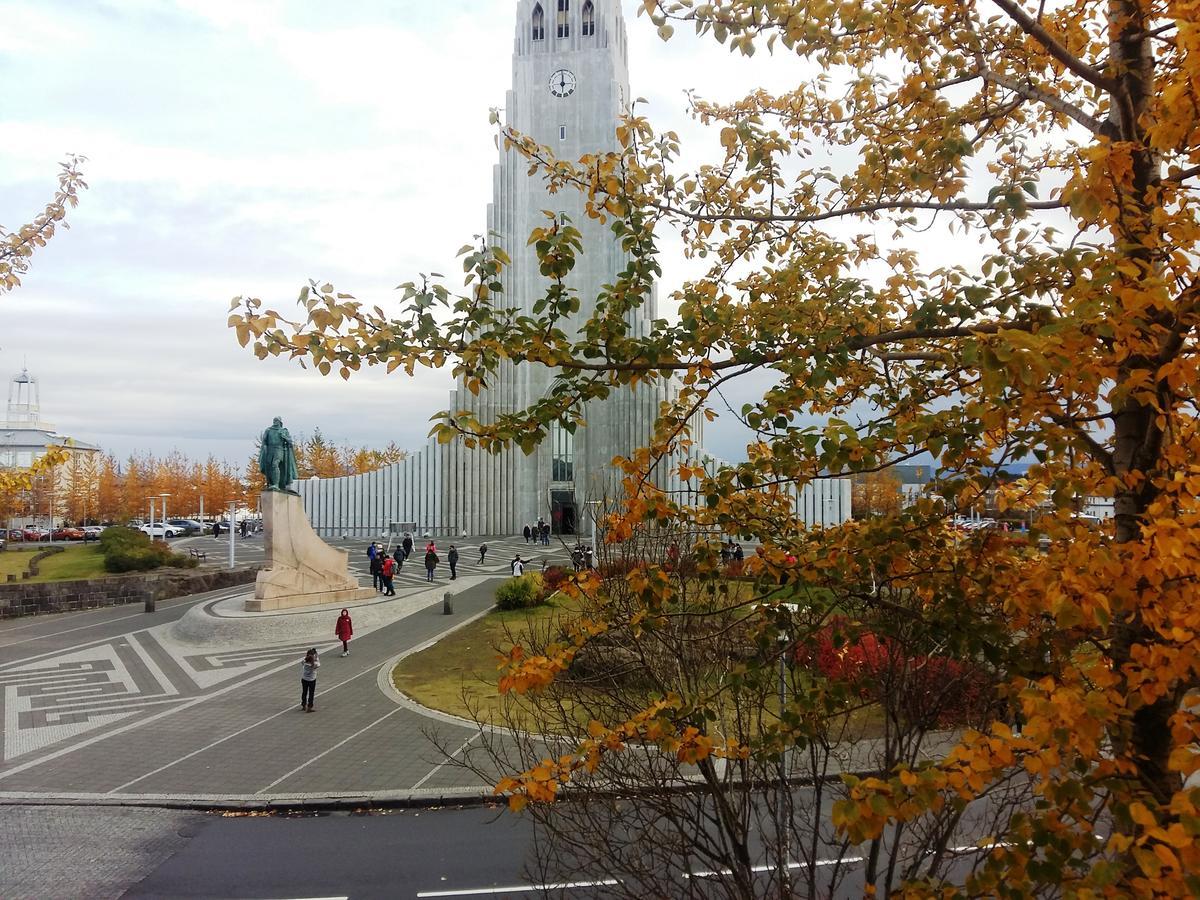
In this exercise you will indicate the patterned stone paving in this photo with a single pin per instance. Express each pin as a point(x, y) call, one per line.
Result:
point(106, 702)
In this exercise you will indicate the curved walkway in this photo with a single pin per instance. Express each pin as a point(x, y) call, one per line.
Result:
point(110, 706)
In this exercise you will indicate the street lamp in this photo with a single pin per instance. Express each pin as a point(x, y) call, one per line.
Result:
point(164, 508)
point(152, 518)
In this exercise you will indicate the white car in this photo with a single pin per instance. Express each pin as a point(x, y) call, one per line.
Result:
point(159, 530)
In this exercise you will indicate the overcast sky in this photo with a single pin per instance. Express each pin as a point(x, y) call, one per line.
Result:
point(241, 147)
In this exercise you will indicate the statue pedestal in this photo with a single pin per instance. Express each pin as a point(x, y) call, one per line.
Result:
point(301, 569)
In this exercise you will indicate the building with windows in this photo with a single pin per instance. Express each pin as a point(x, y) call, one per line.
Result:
point(26, 437)
point(570, 86)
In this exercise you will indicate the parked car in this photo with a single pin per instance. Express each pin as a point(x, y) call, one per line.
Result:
point(15, 534)
point(2, 543)
point(187, 526)
point(159, 530)
point(92, 532)
point(35, 533)
point(67, 533)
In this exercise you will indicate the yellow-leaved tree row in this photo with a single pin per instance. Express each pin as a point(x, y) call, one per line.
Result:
point(1059, 143)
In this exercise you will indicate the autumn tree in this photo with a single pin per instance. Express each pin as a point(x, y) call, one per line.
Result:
point(17, 247)
point(875, 494)
point(1059, 146)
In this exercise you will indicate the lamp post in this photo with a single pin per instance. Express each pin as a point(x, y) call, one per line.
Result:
point(152, 518)
point(595, 515)
point(232, 513)
point(164, 511)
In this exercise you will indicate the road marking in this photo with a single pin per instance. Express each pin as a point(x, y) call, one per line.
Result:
point(520, 889)
point(330, 750)
point(439, 766)
point(188, 704)
point(771, 867)
point(289, 708)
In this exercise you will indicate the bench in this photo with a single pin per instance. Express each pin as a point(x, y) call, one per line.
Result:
point(198, 554)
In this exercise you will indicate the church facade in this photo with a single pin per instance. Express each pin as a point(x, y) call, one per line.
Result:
point(570, 86)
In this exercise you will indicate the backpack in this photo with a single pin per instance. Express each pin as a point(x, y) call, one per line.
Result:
point(389, 567)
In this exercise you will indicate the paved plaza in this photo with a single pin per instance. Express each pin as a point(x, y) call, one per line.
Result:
point(112, 705)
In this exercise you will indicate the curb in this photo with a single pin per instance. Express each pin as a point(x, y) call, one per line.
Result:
point(233, 803)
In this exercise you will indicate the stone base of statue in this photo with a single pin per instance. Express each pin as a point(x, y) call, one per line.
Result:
point(301, 569)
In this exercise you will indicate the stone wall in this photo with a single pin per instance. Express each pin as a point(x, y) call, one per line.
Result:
point(115, 590)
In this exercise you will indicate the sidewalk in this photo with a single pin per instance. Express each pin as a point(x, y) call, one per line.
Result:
point(102, 708)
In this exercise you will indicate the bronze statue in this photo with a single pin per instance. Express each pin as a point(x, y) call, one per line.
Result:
point(277, 458)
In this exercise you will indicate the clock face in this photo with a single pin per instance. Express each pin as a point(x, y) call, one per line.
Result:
point(562, 83)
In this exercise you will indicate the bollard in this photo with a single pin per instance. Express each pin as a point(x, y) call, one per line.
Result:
point(447, 604)
point(150, 604)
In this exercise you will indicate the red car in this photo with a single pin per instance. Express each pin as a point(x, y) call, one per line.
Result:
point(67, 533)
point(34, 533)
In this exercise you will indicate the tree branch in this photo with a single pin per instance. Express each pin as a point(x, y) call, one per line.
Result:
point(1036, 31)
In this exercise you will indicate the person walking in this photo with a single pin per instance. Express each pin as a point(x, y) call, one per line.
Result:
point(452, 559)
point(344, 630)
point(406, 545)
point(528, 532)
point(431, 561)
point(517, 565)
point(377, 571)
point(482, 553)
point(216, 529)
point(245, 526)
point(308, 679)
point(387, 571)
point(546, 534)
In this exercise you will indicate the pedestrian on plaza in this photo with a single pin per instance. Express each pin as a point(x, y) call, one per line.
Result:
point(308, 679)
point(738, 553)
point(431, 561)
point(517, 565)
point(245, 528)
point(373, 550)
point(387, 571)
point(216, 529)
point(528, 532)
point(344, 630)
point(406, 546)
point(546, 533)
point(452, 559)
point(725, 555)
point(377, 572)
point(482, 553)
point(431, 547)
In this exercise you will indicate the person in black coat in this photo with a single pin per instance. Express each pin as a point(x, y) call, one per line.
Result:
point(452, 559)
point(406, 546)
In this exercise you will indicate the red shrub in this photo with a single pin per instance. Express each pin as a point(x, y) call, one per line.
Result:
point(554, 578)
point(930, 690)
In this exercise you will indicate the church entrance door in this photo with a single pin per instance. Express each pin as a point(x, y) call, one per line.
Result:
point(563, 517)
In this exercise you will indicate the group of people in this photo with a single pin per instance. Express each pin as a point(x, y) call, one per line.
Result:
point(582, 557)
point(732, 551)
point(537, 534)
point(384, 567)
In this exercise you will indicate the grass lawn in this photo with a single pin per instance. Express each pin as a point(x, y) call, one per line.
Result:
point(78, 561)
point(459, 673)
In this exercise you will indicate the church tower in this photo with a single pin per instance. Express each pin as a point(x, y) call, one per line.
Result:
point(570, 86)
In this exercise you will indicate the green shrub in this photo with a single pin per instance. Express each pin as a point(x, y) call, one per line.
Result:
point(521, 592)
point(130, 550)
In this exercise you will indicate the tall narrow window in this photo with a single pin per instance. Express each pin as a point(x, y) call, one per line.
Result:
point(564, 14)
point(562, 458)
point(539, 23)
point(588, 26)
point(562, 132)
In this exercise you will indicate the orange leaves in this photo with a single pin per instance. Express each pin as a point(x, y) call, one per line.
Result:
point(532, 673)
